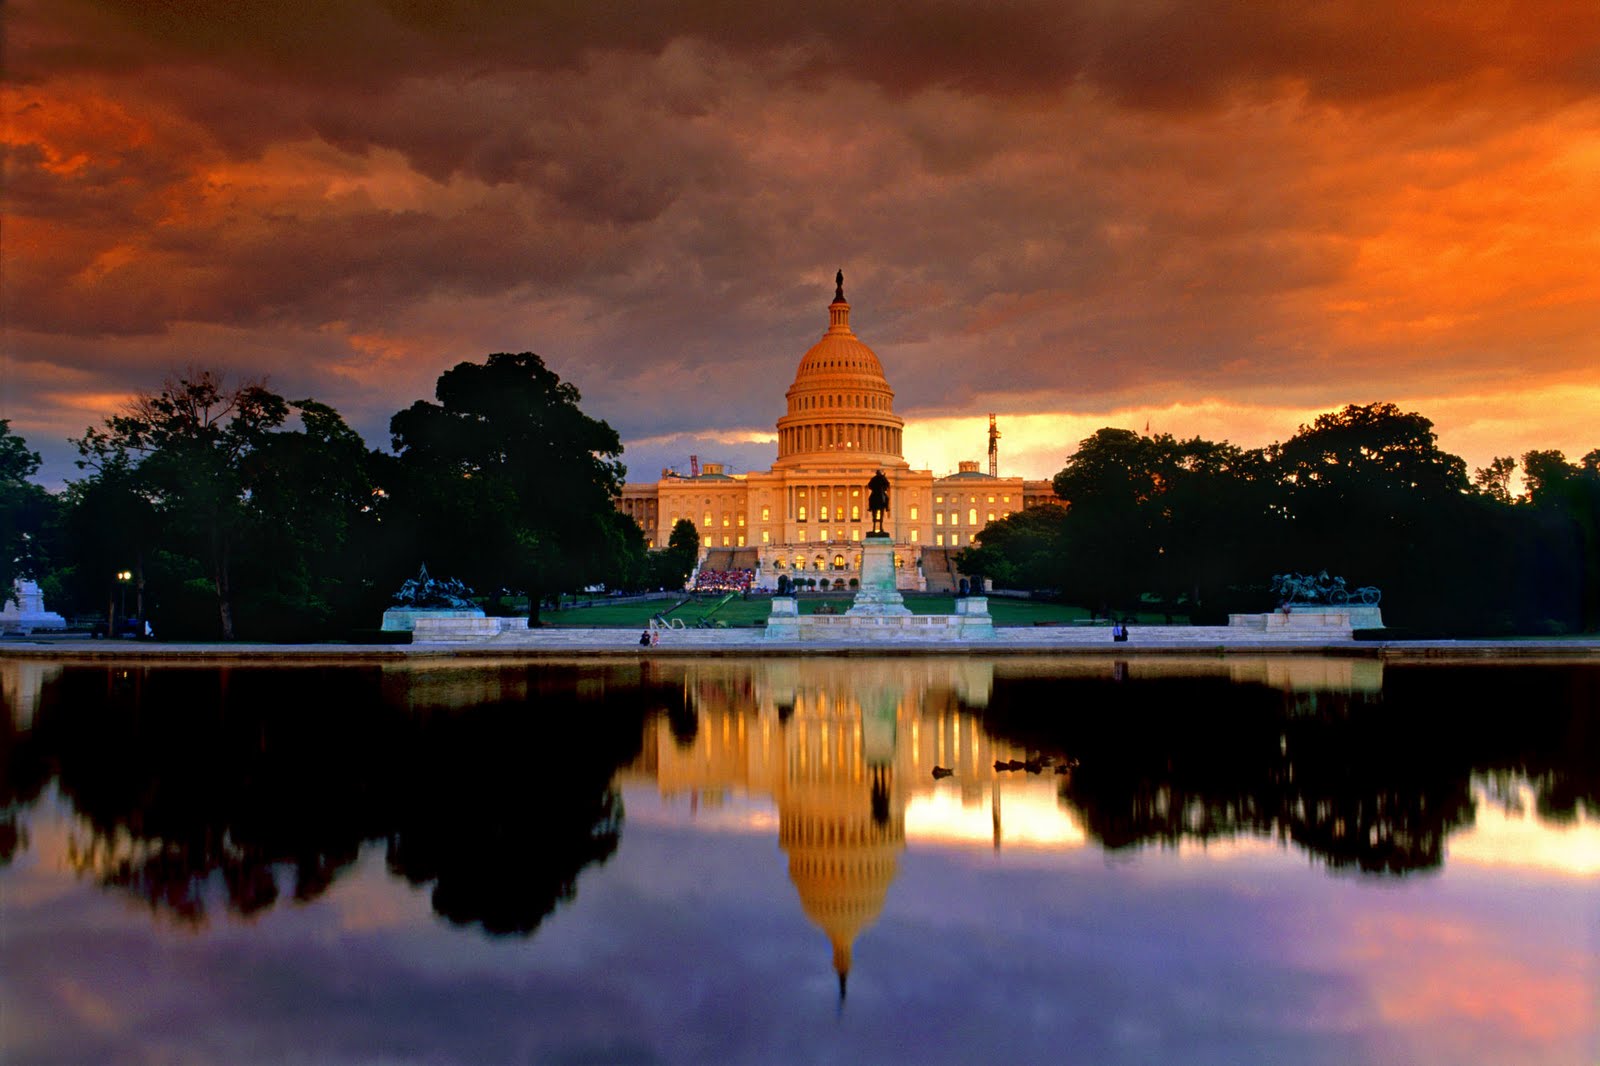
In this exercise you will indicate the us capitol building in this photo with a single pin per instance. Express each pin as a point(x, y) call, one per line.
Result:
point(806, 516)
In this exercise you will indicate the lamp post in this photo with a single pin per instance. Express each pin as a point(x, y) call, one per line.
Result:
point(123, 577)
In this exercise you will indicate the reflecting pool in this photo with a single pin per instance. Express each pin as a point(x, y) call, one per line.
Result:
point(1209, 860)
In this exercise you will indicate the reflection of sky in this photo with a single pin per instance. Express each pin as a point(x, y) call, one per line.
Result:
point(689, 945)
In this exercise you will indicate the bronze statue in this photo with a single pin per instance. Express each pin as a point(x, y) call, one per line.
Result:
point(838, 285)
point(878, 500)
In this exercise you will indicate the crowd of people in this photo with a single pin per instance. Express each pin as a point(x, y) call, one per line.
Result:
point(724, 580)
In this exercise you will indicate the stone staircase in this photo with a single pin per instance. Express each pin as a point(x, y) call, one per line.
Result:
point(937, 570)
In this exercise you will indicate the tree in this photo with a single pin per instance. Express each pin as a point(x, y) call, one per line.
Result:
point(1570, 495)
point(506, 482)
point(1494, 480)
point(1369, 495)
point(313, 526)
point(189, 442)
point(24, 507)
point(1175, 518)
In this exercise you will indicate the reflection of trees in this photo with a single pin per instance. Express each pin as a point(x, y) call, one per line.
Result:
point(264, 782)
point(1373, 782)
point(504, 805)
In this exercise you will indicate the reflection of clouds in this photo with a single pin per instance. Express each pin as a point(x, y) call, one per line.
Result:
point(1519, 839)
point(1466, 982)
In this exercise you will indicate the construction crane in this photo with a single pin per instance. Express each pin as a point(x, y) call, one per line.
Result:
point(694, 466)
point(994, 448)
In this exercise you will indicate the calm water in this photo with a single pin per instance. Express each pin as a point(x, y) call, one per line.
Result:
point(1306, 861)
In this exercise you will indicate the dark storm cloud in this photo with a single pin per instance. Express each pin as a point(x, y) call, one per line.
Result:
point(1152, 54)
point(1048, 203)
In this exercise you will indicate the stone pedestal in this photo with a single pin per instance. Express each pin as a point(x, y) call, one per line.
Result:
point(26, 614)
point(404, 619)
point(784, 621)
point(878, 596)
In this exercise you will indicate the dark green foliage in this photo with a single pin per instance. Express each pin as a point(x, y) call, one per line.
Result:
point(25, 510)
point(201, 492)
point(506, 484)
point(1364, 493)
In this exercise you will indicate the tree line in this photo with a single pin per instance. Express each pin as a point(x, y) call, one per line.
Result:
point(217, 510)
point(1198, 527)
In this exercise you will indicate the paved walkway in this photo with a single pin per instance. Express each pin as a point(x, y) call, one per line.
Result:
point(562, 642)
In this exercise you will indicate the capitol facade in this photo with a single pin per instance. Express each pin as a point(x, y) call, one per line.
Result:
point(807, 515)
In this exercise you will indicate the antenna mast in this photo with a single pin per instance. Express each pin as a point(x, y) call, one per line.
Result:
point(994, 448)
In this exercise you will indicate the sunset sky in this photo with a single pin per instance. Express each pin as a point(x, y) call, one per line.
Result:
point(1218, 218)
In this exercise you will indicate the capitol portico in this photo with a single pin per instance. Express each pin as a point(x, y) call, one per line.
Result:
point(808, 513)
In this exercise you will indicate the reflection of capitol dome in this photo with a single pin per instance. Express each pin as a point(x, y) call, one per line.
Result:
point(841, 865)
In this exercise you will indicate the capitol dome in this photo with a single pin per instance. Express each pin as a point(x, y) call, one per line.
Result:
point(840, 405)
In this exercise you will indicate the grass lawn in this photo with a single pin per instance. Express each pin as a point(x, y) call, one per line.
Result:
point(740, 612)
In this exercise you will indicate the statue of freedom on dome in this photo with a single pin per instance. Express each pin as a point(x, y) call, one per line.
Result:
point(878, 500)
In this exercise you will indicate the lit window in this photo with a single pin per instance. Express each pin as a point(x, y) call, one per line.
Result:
point(991, 499)
point(915, 510)
point(725, 540)
point(766, 514)
point(708, 519)
point(938, 539)
point(855, 512)
point(972, 517)
point(741, 520)
point(822, 513)
point(855, 534)
point(914, 537)
point(991, 517)
point(740, 540)
point(1005, 514)
point(938, 518)
point(766, 538)
point(938, 499)
point(724, 519)
point(802, 512)
point(1005, 499)
point(955, 518)
point(802, 535)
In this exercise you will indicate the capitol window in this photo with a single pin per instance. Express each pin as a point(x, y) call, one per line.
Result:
point(855, 513)
point(766, 514)
point(802, 512)
point(766, 538)
point(914, 510)
point(914, 537)
point(938, 518)
point(938, 540)
point(855, 534)
point(972, 517)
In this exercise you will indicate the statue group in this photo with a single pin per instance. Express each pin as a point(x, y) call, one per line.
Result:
point(1294, 588)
